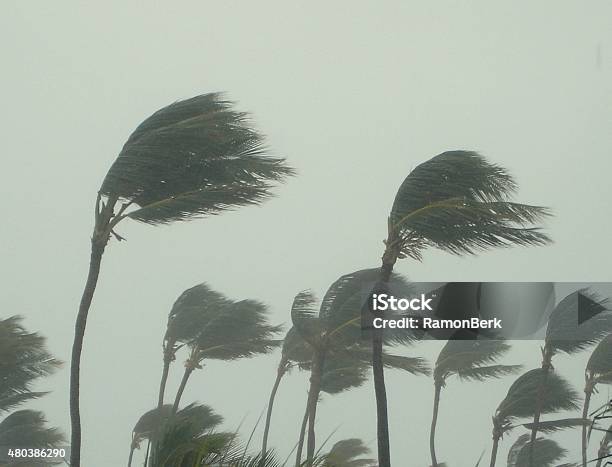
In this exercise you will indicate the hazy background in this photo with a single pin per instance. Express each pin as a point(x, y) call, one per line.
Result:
point(354, 94)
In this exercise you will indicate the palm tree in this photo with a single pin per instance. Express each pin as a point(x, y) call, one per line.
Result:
point(295, 351)
point(347, 453)
point(604, 447)
point(470, 361)
point(149, 427)
point(187, 318)
point(568, 332)
point(547, 452)
point(598, 371)
point(336, 329)
point(193, 158)
point(457, 202)
point(521, 401)
point(229, 332)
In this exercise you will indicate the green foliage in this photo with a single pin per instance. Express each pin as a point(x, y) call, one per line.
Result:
point(23, 360)
point(27, 428)
point(472, 360)
point(459, 202)
point(195, 157)
point(552, 426)
point(546, 453)
point(347, 453)
point(566, 334)
point(599, 366)
point(521, 401)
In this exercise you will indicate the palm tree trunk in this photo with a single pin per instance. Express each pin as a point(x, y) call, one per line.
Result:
point(588, 392)
point(131, 455)
point(298, 456)
point(494, 451)
point(147, 453)
point(313, 398)
point(602, 452)
point(434, 421)
point(382, 419)
point(164, 379)
point(546, 366)
point(97, 250)
point(279, 375)
point(179, 393)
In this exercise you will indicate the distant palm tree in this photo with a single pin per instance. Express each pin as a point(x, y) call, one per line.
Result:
point(336, 329)
point(187, 318)
point(295, 351)
point(347, 453)
point(193, 158)
point(598, 371)
point(457, 202)
point(470, 361)
point(228, 332)
point(522, 398)
point(547, 452)
point(567, 333)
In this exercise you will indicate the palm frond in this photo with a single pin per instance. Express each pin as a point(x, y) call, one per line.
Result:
point(304, 316)
point(552, 426)
point(521, 401)
point(487, 372)
point(193, 158)
point(27, 428)
point(546, 452)
point(347, 453)
point(599, 366)
point(459, 202)
point(566, 333)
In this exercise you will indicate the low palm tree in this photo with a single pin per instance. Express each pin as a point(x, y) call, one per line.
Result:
point(604, 447)
point(335, 328)
point(149, 427)
point(547, 452)
point(470, 361)
point(193, 158)
point(567, 332)
point(295, 352)
point(522, 399)
point(28, 428)
point(347, 453)
point(188, 315)
point(459, 203)
point(229, 332)
point(598, 371)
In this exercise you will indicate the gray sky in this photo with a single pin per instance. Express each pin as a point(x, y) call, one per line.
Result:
point(354, 94)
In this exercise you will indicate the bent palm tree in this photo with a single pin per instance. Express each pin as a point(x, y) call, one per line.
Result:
point(567, 333)
point(335, 330)
point(522, 399)
point(295, 351)
point(347, 453)
point(229, 332)
point(604, 447)
point(149, 427)
point(471, 361)
point(186, 320)
point(193, 158)
point(598, 371)
point(457, 202)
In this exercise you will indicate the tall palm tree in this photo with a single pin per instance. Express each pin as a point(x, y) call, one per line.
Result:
point(193, 158)
point(522, 398)
point(598, 371)
point(336, 328)
point(459, 203)
point(229, 332)
point(295, 351)
point(567, 332)
point(547, 452)
point(470, 361)
point(187, 318)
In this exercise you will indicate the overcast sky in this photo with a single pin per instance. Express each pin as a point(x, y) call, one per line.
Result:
point(355, 94)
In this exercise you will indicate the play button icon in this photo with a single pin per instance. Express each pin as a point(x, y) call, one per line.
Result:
point(587, 308)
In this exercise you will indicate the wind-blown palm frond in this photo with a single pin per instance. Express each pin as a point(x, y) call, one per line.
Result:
point(27, 428)
point(552, 426)
point(566, 333)
point(547, 453)
point(23, 359)
point(459, 202)
point(520, 402)
point(192, 158)
point(347, 453)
